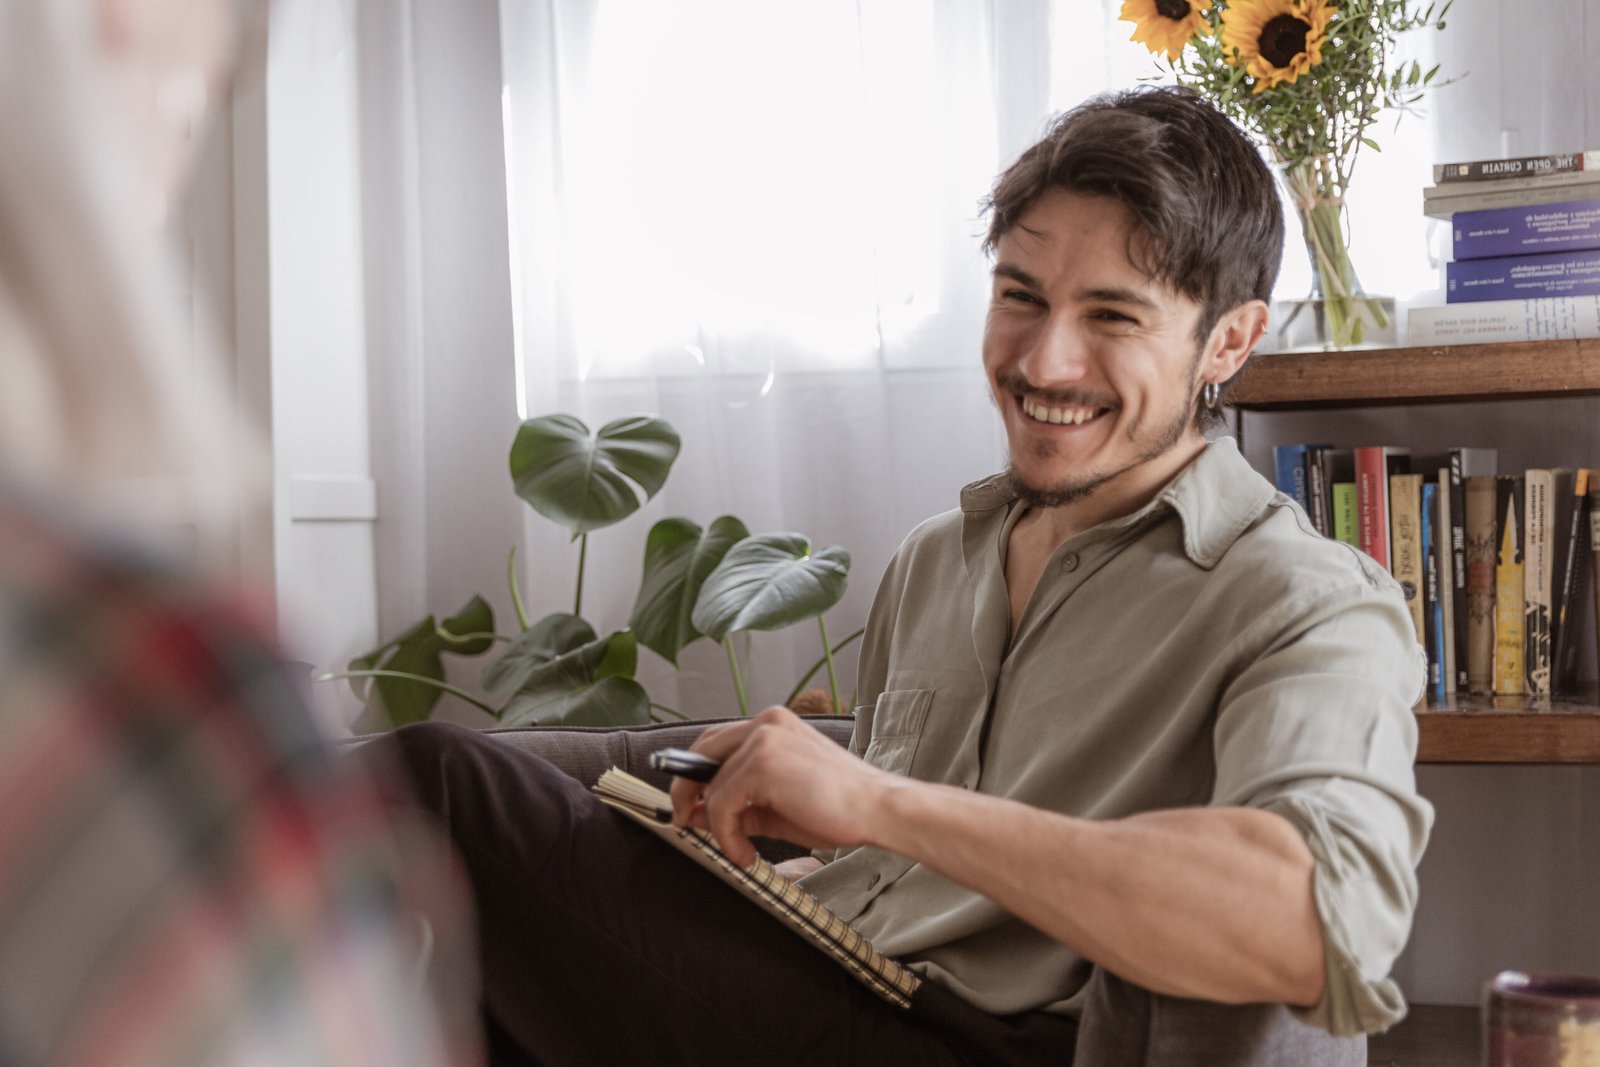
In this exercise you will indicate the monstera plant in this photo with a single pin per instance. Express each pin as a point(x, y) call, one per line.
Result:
point(697, 582)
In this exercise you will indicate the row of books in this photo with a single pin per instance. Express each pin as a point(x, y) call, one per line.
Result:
point(1494, 567)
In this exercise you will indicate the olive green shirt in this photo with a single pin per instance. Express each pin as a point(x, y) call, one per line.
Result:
point(1208, 649)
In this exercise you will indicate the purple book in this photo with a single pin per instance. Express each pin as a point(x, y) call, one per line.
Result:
point(1518, 231)
point(1523, 277)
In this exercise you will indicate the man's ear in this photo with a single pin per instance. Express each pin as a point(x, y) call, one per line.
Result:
point(1233, 338)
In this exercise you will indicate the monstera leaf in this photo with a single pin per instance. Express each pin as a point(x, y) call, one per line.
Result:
point(398, 701)
point(562, 672)
point(769, 581)
point(584, 481)
point(534, 649)
point(678, 557)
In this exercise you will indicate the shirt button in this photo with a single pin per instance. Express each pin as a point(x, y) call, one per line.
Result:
point(1070, 561)
point(875, 879)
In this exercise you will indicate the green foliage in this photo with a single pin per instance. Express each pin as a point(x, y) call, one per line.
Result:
point(559, 669)
point(396, 701)
point(574, 678)
point(678, 557)
point(770, 581)
point(588, 482)
point(1322, 117)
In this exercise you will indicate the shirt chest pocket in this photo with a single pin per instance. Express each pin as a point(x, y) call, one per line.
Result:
point(897, 722)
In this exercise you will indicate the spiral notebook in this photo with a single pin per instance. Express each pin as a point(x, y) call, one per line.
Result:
point(799, 910)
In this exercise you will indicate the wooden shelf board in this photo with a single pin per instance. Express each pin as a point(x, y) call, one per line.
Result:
point(1431, 1035)
point(1454, 373)
point(1506, 730)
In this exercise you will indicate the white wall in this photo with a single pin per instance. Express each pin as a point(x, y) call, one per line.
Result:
point(324, 493)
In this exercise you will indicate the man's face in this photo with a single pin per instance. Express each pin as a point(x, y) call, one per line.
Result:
point(1094, 367)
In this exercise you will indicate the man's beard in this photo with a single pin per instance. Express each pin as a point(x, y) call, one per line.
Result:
point(1077, 488)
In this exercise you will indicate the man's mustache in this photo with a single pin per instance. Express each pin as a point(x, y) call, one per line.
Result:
point(1013, 382)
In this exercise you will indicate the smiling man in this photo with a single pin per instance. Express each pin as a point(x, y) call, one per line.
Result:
point(1121, 709)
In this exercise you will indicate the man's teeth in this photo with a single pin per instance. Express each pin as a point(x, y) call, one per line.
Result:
point(1068, 415)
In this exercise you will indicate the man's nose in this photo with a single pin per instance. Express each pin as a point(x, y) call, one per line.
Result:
point(1059, 355)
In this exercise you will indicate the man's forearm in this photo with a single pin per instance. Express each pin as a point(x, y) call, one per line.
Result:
point(1213, 903)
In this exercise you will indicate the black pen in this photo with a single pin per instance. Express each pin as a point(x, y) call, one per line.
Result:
point(681, 763)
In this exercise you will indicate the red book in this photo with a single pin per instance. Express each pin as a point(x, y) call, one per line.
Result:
point(1374, 465)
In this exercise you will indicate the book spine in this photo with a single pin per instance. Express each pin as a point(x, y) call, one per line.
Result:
point(1480, 531)
point(1563, 658)
point(1345, 526)
point(1372, 504)
point(1289, 467)
point(1508, 587)
point(1317, 493)
point(1478, 170)
point(1594, 552)
point(1498, 321)
point(1432, 615)
point(1537, 550)
point(1455, 490)
point(1525, 195)
point(1445, 565)
point(1521, 277)
point(1568, 226)
point(1405, 503)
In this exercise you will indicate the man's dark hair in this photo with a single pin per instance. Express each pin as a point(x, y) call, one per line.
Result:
point(1207, 220)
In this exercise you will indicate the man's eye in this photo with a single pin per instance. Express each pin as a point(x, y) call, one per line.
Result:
point(1108, 315)
point(1019, 294)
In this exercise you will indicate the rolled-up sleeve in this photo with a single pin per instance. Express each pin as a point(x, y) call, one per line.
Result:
point(1318, 728)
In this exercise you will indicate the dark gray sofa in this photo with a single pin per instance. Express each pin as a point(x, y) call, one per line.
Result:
point(1123, 1025)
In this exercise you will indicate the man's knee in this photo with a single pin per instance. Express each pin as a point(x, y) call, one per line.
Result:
point(422, 758)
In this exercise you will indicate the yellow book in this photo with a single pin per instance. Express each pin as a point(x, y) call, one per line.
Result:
point(1509, 607)
point(1405, 535)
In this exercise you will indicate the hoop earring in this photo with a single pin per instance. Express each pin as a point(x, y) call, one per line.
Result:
point(1211, 397)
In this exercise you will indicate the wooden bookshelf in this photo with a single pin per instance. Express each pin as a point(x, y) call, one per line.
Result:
point(1527, 370)
point(1508, 730)
point(1501, 730)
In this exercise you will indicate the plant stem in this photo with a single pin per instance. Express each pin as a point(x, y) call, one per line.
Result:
point(669, 711)
point(516, 594)
point(833, 678)
point(466, 639)
point(583, 557)
point(738, 683)
point(408, 677)
point(821, 662)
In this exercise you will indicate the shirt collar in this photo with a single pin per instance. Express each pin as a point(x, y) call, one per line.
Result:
point(1216, 498)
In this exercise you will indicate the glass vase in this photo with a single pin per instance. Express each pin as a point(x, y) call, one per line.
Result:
point(1338, 313)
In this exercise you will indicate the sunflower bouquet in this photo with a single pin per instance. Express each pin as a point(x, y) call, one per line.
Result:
point(1306, 77)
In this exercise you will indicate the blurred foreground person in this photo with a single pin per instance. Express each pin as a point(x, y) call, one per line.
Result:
point(186, 876)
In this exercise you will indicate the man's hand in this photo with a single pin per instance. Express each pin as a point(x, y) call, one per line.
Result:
point(780, 778)
point(798, 868)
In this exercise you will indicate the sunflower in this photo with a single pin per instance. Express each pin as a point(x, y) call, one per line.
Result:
point(1165, 25)
point(1275, 41)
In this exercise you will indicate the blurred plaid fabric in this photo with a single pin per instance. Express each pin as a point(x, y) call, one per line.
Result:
point(187, 876)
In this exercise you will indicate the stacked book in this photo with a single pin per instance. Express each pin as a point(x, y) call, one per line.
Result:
point(1525, 242)
point(1494, 567)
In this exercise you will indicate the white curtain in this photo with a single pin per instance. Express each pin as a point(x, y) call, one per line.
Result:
point(762, 222)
